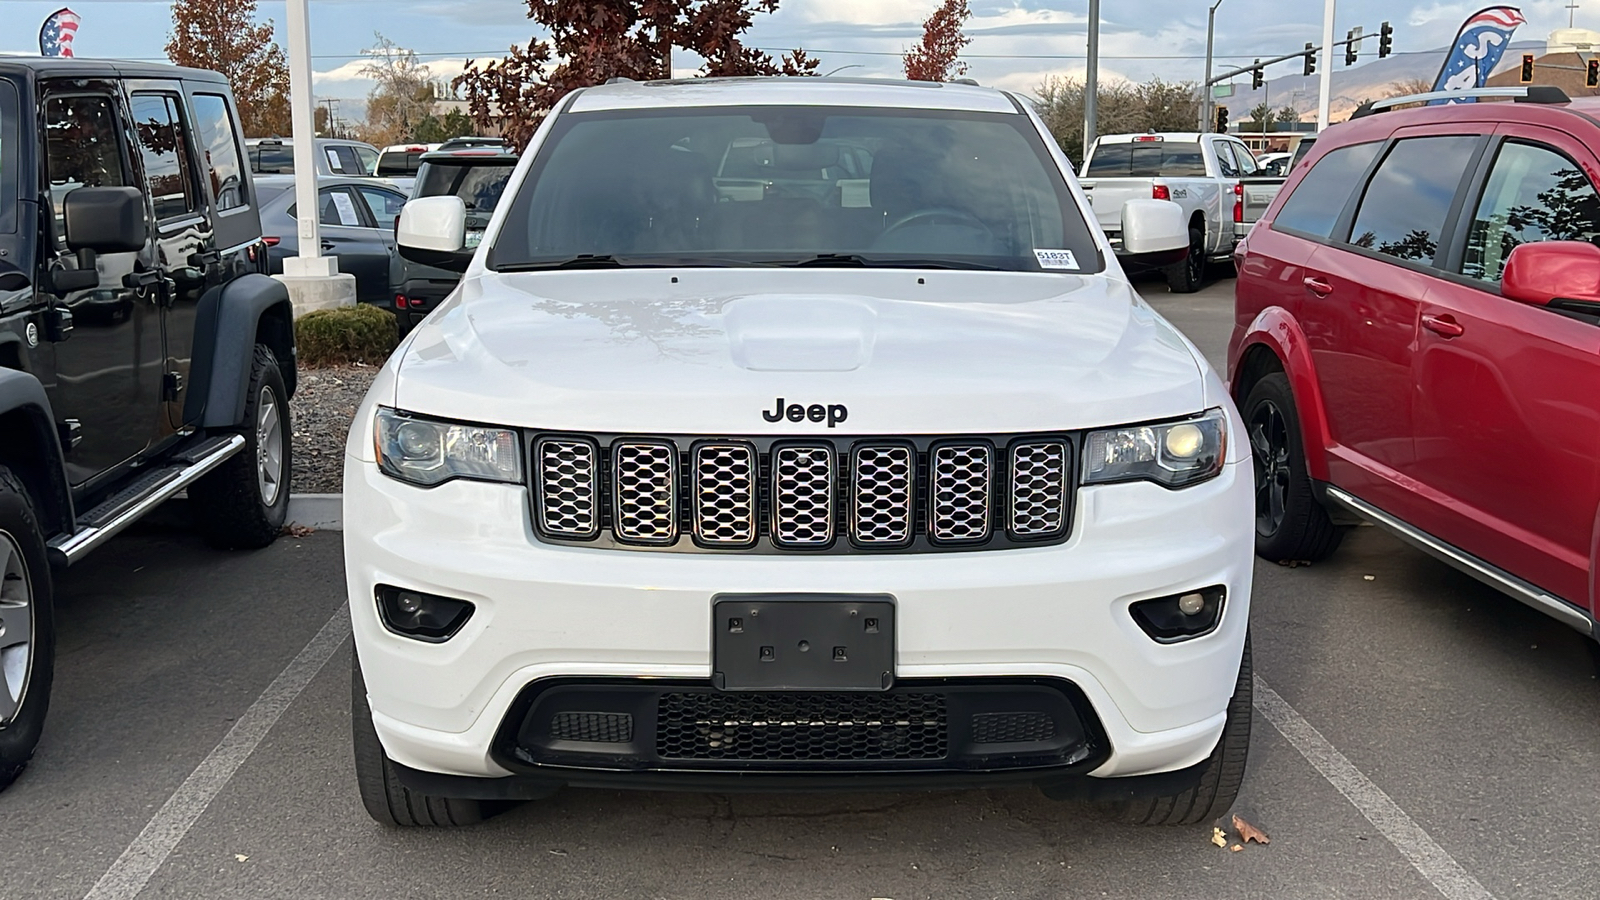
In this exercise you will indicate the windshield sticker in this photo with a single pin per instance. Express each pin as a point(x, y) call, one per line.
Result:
point(1057, 259)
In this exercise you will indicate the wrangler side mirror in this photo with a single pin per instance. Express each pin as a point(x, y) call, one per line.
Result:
point(105, 220)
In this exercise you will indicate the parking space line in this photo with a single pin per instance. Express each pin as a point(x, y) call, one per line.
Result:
point(1426, 856)
point(161, 835)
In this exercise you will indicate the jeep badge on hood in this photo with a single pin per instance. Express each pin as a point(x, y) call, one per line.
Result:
point(834, 413)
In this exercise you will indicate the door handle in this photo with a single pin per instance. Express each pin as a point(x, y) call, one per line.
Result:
point(328, 245)
point(1318, 286)
point(1445, 325)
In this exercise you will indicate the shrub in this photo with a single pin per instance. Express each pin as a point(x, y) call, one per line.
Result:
point(359, 333)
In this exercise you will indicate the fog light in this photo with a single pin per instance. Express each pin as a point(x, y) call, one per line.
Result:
point(1180, 617)
point(426, 617)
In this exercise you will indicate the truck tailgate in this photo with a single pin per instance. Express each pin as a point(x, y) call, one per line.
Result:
point(1108, 194)
point(1259, 192)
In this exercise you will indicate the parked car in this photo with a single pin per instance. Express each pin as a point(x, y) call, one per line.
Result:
point(399, 163)
point(684, 490)
point(478, 177)
point(1199, 172)
point(334, 156)
point(357, 217)
point(1415, 343)
point(143, 351)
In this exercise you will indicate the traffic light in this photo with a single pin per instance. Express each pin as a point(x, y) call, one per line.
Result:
point(1593, 79)
point(1257, 77)
point(1385, 40)
point(1527, 67)
point(1222, 120)
point(1311, 60)
point(1350, 47)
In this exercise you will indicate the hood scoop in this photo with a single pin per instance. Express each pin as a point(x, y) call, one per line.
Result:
point(800, 332)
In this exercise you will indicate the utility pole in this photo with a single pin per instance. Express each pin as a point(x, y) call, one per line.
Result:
point(297, 24)
point(1327, 65)
point(1211, 34)
point(1091, 79)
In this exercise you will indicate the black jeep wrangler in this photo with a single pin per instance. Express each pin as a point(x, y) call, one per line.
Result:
point(143, 351)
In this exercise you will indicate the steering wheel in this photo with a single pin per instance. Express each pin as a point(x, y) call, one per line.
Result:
point(933, 214)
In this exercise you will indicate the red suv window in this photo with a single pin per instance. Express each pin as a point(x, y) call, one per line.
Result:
point(1314, 207)
point(1408, 199)
point(1533, 194)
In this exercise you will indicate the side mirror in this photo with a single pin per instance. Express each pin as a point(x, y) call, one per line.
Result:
point(1153, 233)
point(1542, 273)
point(105, 220)
point(433, 232)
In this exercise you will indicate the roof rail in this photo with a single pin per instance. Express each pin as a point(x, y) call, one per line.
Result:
point(619, 79)
point(968, 81)
point(1537, 93)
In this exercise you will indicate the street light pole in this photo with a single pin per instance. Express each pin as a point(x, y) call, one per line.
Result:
point(1205, 102)
point(1091, 80)
point(310, 260)
point(1327, 65)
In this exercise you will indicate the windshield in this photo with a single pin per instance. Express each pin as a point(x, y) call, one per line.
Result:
point(795, 185)
point(368, 159)
point(272, 159)
point(1147, 159)
point(479, 185)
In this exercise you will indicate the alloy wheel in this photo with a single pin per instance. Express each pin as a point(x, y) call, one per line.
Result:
point(269, 447)
point(1269, 452)
point(16, 627)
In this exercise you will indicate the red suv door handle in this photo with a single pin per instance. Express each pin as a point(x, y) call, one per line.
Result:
point(1445, 325)
point(1318, 286)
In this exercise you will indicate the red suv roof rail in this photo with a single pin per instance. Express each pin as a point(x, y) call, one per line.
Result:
point(1537, 93)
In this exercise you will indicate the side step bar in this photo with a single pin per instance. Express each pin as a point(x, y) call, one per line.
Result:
point(1492, 575)
point(105, 521)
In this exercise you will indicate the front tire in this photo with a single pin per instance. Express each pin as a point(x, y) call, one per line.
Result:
point(1190, 275)
point(1218, 784)
point(388, 801)
point(1291, 525)
point(27, 629)
point(244, 502)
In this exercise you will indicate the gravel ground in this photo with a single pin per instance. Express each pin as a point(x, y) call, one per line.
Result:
point(323, 406)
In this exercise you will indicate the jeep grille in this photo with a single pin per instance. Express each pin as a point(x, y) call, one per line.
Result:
point(922, 494)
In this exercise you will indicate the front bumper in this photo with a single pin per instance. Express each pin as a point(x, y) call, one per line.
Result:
point(544, 614)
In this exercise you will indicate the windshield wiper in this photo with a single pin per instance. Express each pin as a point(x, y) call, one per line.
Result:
point(581, 261)
point(856, 260)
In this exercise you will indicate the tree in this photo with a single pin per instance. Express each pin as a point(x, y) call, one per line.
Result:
point(1407, 87)
point(223, 35)
point(1124, 108)
point(1261, 117)
point(934, 59)
point(1287, 115)
point(597, 40)
point(403, 96)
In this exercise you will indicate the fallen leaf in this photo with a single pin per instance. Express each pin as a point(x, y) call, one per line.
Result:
point(1248, 832)
point(296, 530)
point(1218, 838)
point(240, 857)
point(1370, 577)
point(1235, 848)
point(558, 852)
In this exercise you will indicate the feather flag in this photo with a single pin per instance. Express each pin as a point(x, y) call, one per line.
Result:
point(1480, 43)
point(55, 38)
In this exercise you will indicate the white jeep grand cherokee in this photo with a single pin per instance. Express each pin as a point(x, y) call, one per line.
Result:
point(796, 433)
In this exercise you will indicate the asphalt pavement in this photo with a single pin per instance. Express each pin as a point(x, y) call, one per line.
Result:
point(1418, 735)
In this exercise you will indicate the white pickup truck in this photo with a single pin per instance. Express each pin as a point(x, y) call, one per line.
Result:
point(1199, 172)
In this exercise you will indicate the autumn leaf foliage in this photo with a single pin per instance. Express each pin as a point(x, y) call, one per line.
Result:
point(934, 58)
point(224, 36)
point(592, 41)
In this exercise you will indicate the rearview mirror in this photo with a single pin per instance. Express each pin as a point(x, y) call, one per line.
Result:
point(105, 219)
point(1548, 271)
point(1153, 233)
point(433, 232)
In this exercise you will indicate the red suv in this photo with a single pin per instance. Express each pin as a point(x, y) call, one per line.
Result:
point(1416, 343)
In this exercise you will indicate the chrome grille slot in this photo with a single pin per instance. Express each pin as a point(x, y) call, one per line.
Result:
point(1038, 489)
point(724, 494)
point(567, 479)
point(883, 494)
point(958, 496)
point(802, 495)
point(645, 491)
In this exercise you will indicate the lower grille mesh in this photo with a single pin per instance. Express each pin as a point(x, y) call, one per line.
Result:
point(594, 727)
point(785, 727)
point(1012, 727)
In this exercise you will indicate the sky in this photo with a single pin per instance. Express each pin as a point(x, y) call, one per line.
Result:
point(1014, 45)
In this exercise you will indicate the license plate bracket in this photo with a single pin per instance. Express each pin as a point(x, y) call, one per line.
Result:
point(802, 642)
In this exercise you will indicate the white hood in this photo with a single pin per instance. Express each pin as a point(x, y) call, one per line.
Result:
point(708, 351)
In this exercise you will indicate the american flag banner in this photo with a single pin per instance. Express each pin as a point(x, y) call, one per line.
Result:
point(55, 38)
point(1479, 44)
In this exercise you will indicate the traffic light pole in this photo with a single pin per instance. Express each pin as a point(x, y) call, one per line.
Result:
point(1206, 102)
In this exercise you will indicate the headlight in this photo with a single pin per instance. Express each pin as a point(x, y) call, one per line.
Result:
point(1174, 454)
point(426, 452)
